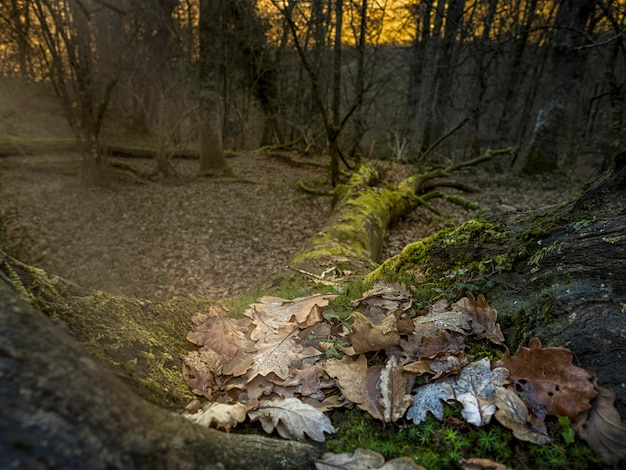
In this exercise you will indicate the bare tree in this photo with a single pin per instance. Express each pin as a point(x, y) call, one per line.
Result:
point(211, 83)
point(570, 23)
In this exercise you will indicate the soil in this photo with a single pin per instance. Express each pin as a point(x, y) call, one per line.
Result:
point(198, 237)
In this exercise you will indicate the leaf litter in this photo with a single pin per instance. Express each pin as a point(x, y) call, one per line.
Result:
point(272, 366)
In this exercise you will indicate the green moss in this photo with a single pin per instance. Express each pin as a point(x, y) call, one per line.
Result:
point(439, 445)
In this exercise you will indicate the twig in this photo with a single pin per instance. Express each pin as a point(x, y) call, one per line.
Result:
point(443, 137)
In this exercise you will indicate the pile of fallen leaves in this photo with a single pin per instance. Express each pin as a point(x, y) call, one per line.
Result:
point(289, 361)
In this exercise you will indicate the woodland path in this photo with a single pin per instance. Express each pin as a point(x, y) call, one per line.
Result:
point(195, 237)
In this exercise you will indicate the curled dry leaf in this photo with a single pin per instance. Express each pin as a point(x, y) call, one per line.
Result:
point(200, 369)
point(513, 414)
point(366, 336)
point(483, 318)
point(384, 298)
point(292, 419)
point(548, 381)
point(357, 382)
point(224, 416)
point(393, 399)
point(363, 459)
point(603, 429)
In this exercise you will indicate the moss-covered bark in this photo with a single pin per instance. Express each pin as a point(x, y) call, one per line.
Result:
point(141, 339)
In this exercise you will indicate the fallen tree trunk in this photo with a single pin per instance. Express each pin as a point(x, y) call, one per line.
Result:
point(365, 208)
point(61, 409)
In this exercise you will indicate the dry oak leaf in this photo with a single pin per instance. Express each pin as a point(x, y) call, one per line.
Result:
point(384, 298)
point(200, 369)
point(394, 400)
point(427, 398)
point(278, 353)
point(604, 430)
point(548, 381)
point(429, 341)
point(221, 334)
point(292, 419)
point(513, 414)
point(474, 388)
point(363, 459)
point(445, 319)
point(357, 382)
point(304, 311)
point(224, 416)
point(483, 319)
point(365, 336)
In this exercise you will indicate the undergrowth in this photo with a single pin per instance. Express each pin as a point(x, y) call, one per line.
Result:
point(439, 445)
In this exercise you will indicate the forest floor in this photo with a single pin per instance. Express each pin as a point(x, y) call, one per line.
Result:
point(199, 237)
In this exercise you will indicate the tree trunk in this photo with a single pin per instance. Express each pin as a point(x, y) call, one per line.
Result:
point(543, 151)
point(212, 159)
point(62, 409)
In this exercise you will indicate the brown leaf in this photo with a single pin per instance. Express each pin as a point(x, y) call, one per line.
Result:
point(484, 323)
point(223, 335)
point(445, 319)
point(548, 381)
point(304, 311)
point(394, 400)
point(366, 336)
point(429, 341)
point(604, 430)
point(513, 414)
point(292, 419)
point(418, 367)
point(200, 369)
point(276, 353)
point(383, 299)
point(357, 382)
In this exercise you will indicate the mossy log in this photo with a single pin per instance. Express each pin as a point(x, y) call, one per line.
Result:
point(62, 409)
point(143, 340)
point(558, 274)
point(364, 209)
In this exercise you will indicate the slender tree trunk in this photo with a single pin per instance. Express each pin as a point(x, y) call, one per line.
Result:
point(543, 151)
point(212, 159)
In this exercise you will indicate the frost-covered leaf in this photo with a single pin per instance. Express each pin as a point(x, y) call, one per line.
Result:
point(292, 419)
point(363, 459)
point(224, 416)
point(474, 388)
point(483, 319)
point(366, 336)
point(604, 430)
point(278, 353)
point(548, 381)
point(394, 400)
point(513, 414)
point(357, 382)
point(445, 319)
point(427, 398)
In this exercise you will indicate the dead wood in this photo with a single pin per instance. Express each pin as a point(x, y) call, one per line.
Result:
point(62, 409)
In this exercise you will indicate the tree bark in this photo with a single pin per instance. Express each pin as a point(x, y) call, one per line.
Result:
point(212, 159)
point(558, 274)
point(542, 154)
point(61, 409)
